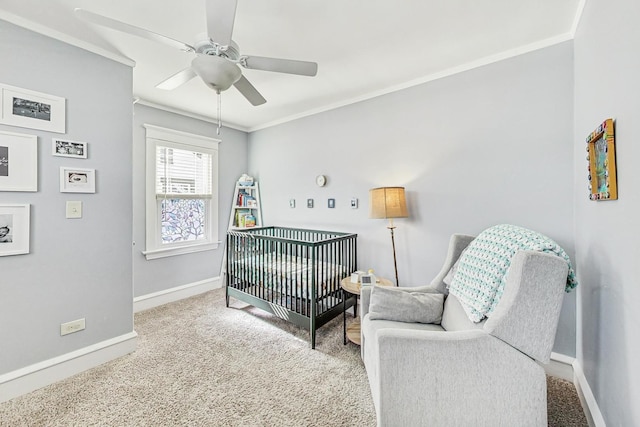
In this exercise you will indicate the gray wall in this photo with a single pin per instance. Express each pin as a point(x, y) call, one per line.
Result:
point(487, 146)
point(166, 273)
point(82, 267)
point(607, 61)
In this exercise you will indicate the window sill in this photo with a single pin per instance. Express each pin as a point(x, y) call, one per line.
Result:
point(180, 250)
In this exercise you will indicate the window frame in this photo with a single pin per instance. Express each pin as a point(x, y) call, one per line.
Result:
point(159, 136)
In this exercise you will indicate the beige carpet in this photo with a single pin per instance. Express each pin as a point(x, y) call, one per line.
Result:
point(201, 364)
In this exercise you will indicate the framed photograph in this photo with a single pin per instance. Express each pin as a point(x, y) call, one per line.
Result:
point(601, 155)
point(74, 180)
point(30, 109)
point(18, 162)
point(66, 148)
point(14, 229)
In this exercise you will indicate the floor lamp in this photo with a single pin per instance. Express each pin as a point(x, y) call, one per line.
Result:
point(388, 203)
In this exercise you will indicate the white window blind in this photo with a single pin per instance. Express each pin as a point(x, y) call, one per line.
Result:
point(182, 173)
point(181, 192)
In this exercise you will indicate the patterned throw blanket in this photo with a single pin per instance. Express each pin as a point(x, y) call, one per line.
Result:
point(480, 276)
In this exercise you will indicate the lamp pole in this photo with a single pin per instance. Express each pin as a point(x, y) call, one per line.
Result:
point(391, 227)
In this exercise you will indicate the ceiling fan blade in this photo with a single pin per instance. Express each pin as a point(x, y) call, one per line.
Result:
point(178, 79)
point(288, 66)
point(130, 29)
point(221, 15)
point(249, 92)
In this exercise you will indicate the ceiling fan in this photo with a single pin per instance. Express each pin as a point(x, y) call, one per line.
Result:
point(217, 56)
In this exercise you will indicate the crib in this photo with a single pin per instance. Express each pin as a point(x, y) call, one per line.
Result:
point(290, 272)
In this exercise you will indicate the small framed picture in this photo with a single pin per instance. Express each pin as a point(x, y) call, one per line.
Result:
point(331, 203)
point(74, 180)
point(66, 148)
point(14, 229)
point(601, 158)
point(30, 109)
point(18, 162)
point(309, 203)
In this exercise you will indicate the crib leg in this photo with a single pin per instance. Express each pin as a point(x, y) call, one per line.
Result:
point(227, 296)
point(312, 330)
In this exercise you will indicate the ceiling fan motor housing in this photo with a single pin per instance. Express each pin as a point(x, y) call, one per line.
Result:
point(204, 44)
point(217, 72)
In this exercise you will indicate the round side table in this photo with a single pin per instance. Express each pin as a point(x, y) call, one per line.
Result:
point(352, 332)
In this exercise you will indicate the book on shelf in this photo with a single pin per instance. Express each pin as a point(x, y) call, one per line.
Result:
point(246, 200)
point(241, 215)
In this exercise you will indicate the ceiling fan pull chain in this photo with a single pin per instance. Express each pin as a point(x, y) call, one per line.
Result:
point(219, 112)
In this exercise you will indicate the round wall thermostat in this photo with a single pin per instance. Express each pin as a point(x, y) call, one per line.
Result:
point(321, 180)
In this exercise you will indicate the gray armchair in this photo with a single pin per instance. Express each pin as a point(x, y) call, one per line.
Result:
point(460, 373)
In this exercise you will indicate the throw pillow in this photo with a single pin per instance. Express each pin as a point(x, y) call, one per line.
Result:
point(422, 305)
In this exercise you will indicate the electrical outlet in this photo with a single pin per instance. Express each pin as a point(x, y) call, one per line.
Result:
point(71, 327)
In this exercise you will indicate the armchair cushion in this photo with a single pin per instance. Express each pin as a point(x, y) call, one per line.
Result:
point(406, 305)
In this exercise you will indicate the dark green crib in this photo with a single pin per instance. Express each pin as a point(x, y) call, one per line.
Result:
point(290, 272)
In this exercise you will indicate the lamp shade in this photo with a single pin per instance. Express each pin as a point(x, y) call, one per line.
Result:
point(387, 202)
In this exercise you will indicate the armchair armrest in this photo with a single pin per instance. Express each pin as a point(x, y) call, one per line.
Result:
point(365, 300)
point(527, 315)
point(453, 378)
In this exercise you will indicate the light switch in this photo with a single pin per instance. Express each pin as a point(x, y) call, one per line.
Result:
point(74, 209)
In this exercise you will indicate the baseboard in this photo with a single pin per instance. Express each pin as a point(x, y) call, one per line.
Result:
point(560, 366)
point(588, 400)
point(569, 369)
point(41, 374)
point(177, 293)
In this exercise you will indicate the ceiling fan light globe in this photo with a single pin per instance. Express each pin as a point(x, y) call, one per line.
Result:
point(216, 72)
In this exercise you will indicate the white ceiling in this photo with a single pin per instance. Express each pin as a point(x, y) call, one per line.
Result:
point(363, 48)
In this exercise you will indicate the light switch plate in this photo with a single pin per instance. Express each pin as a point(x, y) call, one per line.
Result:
point(74, 209)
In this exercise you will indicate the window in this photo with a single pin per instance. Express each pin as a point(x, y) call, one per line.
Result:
point(181, 192)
